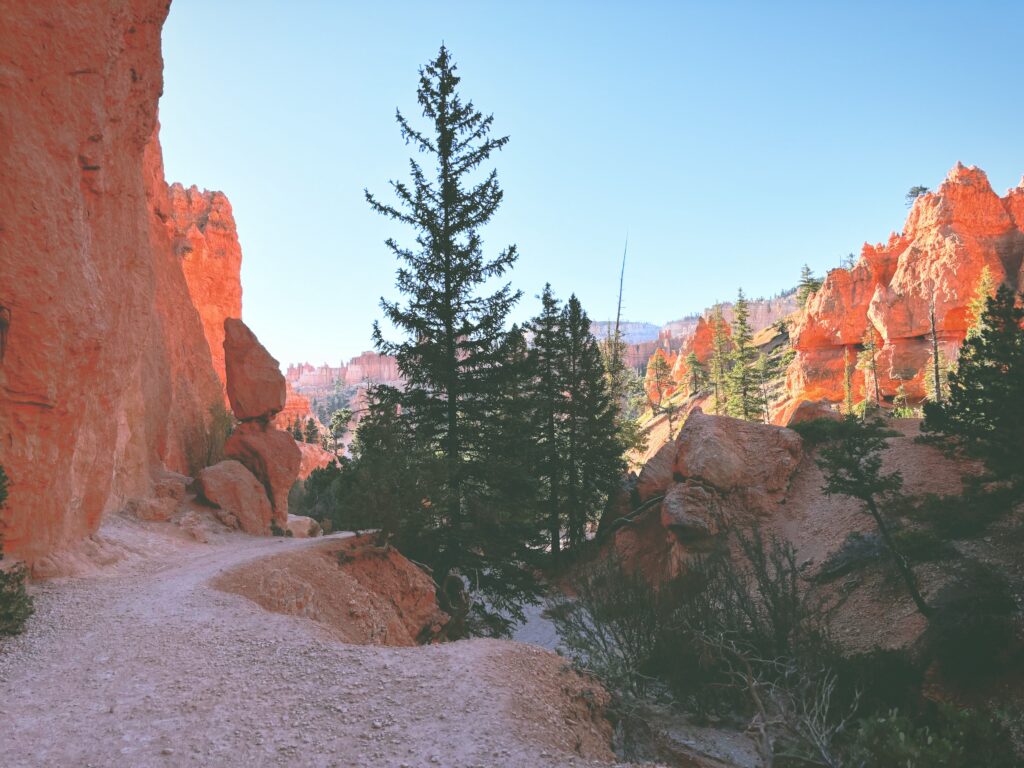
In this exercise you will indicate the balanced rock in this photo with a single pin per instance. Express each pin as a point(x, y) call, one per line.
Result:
point(239, 495)
point(255, 384)
point(271, 455)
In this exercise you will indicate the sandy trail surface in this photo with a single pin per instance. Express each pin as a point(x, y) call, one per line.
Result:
point(144, 664)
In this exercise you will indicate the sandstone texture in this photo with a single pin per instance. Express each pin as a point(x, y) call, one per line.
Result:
point(303, 527)
point(719, 474)
point(203, 236)
point(272, 456)
point(950, 236)
point(106, 376)
point(313, 457)
point(296, 406)
point(255, 384)
point(240, 497)
point(810, 410)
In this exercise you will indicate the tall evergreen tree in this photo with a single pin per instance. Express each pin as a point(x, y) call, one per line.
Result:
point(549, 396)
point(985, 290)
point(310, 433)
point(593, 459)
point(985, 408)
point(660, 387)
point(454, 355)
point(847, 382)
point(719, 357)
point(744, 398)
point(695, 373)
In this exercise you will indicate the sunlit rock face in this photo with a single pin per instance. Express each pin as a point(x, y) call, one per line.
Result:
point(106, 374)
point(203, 236)
point(950, 236)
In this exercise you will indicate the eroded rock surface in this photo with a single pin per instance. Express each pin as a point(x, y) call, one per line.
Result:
point(255, 384)
point(240, 497)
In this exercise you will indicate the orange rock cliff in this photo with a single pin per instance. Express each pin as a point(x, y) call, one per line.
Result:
point(114, 286)
point(950, 236)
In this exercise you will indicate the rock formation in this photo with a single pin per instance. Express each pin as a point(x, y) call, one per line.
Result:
point(718, 474)
point(240, 498)
point(256, 389)
point(255, 385)
point(313, 457)
point(106, 376)
point(950, 236)
point(203, 236)
point(296, 406)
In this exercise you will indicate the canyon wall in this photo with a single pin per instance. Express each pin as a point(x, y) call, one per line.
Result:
point(203, 235)
point(950, 237)
point(106, 375)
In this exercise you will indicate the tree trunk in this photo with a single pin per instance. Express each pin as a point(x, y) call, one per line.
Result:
point(901, 561)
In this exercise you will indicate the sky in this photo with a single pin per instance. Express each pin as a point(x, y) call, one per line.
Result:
point(732, 142)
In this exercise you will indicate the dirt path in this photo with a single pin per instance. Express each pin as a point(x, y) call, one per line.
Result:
point(146, 665)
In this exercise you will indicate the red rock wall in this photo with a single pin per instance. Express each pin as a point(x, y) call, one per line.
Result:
point(950, 236)
point(106, 373)
point(203, 236)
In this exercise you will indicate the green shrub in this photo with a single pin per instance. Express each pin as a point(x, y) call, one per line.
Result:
point(950, 738)
point(612, 624)
point(15, 602)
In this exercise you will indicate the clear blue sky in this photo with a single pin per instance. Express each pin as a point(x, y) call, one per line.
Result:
point(734, 141)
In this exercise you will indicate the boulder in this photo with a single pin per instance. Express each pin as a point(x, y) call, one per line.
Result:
point(692, 512)
point(238, 494)
point(303, 527)
point(255, 384)
point(735, 456)
point(811, 410)
point(656, 475)
point(272, 456)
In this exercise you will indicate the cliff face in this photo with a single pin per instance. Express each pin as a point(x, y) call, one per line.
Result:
point(949, 238)
point(203, 235)
point(106, 375)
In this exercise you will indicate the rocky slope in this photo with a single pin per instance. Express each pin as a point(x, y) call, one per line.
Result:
point(106, 374)
point(950, 236)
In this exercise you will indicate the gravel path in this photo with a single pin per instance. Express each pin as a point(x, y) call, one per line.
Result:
point(148, 666)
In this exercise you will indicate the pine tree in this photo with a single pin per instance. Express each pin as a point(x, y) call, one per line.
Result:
point(549, 397)
point(901, 404)
point(695, 373)
point(764, 371)
point(310, 433)
point(935, 384)
point(453, 358)
point(853, 467)
point(660, 387)
point(985, 290)
point(720, 346)
point(593, 459)
point(867, 362)
point(339, 424)
point(296, 429)
point(807, 286)
point(985, 408)
point(744, 397)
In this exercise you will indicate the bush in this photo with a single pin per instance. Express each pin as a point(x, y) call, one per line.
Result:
point(15, 602)
point(975, 627)
point(612, 625)
point(950, 738)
